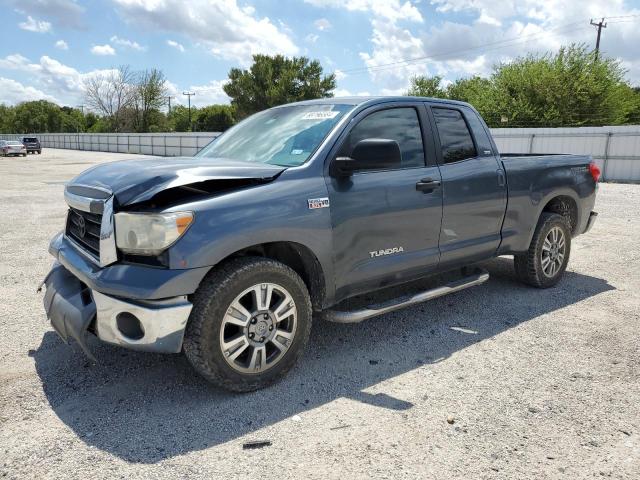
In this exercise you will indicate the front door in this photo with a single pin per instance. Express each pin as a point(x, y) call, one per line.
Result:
point(386, 223)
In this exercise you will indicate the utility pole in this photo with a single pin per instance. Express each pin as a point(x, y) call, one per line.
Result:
point(189, 95)
point(600, 25)
point(169, 101)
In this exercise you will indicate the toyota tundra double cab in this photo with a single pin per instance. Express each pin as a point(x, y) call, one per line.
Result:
point(227, 256)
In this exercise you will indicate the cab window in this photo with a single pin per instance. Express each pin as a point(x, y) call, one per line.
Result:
point(399, 124)
point(456, 141)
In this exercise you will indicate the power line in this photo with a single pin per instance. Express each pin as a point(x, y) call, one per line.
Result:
point(496, 45)
point(507, 42)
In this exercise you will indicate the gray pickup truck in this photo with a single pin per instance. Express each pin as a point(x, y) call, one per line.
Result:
point(294, 212)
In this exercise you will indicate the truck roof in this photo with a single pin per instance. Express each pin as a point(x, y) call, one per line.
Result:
point(372, 100)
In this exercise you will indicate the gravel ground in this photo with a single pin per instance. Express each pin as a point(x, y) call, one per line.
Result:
point(499, 381)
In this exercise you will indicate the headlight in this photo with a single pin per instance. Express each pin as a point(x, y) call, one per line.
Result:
point(150, 234)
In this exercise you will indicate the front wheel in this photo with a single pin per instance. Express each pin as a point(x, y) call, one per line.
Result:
point(546, 260)
point(250, 321)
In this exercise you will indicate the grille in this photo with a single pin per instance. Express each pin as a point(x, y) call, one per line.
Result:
point(84, 229)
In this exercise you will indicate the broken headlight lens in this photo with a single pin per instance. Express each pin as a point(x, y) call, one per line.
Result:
point(150, 234)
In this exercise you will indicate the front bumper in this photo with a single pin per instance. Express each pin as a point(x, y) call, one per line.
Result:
point(128, 281)
point(75, 310)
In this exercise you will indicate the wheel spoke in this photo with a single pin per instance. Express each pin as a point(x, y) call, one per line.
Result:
point(545, 263)
point(280, 346)
point(235, 347)
point(547, 245)
point(262, 294)
point(258, 358)
point(237, 315)
point(284, 309)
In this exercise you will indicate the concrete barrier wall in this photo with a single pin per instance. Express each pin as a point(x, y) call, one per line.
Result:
point(615, 149)
point(163, 144)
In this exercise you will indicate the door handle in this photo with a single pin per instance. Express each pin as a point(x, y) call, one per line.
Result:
point(501, 178)
point(427, 185)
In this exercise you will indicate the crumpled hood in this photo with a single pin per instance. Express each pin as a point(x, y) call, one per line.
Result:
point(134, 181)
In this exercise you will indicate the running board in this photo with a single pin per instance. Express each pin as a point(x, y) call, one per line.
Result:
point(355, 316)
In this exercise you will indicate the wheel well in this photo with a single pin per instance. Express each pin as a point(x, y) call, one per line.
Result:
point(297, 257)
point(565, 206)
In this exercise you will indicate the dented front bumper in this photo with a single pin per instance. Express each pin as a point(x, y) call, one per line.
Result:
point(75, 311)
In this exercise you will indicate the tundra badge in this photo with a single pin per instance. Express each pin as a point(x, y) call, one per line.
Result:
point(387, 251)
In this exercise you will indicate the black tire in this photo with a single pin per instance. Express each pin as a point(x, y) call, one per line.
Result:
point(39, 152)
point(210, 303)
point(529, 265)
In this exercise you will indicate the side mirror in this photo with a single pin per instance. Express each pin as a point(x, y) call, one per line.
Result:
point(368, 154)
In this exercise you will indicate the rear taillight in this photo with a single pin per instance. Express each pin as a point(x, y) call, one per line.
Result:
point(594, 170)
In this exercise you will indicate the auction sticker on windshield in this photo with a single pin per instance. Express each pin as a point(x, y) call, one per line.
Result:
point(319, 115)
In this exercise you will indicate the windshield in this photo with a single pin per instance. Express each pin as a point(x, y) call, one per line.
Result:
point(284, 136)
point(13, 143)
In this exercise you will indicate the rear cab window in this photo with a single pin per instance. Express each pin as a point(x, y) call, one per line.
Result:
point(456, 141)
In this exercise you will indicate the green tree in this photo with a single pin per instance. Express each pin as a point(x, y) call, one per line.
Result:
point(573, 87)
point(7, 118)
point(150, 93)
point(39, 116)
point(272, 81)
point(214, 118)
point(72, 120)
point(179, 118)
point(423, 86)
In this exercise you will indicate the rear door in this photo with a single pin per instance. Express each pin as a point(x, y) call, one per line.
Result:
point(473, 186)
point(385, 224)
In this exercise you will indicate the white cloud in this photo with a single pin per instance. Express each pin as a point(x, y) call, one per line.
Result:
point(391, 44)
point(322, 24)
point(61, 45)
point(176, 45)
point(63, 13)
point(392, 10)
point(207, 94)
point(123, 42)
point(59, 81)
point(13, 92)
point(311, 38)
point(103, 50)
point(501, 31)
point(228, 30)
point(33, 25)
point(340, 75)
point(343, 92)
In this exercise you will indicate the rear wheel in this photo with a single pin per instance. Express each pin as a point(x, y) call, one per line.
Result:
point(546, 260)
point(250, 321)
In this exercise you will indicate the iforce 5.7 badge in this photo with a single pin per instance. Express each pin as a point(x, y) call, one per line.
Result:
point(318, 203)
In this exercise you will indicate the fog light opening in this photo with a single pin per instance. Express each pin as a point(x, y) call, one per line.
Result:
point(129, 326)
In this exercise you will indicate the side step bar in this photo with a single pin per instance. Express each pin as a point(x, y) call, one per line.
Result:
point(355, 316)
